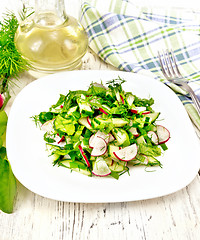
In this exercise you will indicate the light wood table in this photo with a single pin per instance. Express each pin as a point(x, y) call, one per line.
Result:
point(173, 217)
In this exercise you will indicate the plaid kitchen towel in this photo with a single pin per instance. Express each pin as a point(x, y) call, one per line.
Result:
point(129, 38)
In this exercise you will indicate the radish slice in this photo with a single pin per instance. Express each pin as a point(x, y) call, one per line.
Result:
point(48, 126)
point(138, 109)
point(103, 111)
point(100, 168)
point(122, 99)
point(133, 130)
point(62, 139)
point(127, 153)
point(163, 134)
point(89, 121)
point(84, 156)
point(146, 112)
point(153, 136)
point(107, 137)
point(100, 147)
point(91, 141)
point(1, 100)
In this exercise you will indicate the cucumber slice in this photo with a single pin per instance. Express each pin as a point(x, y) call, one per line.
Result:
point(54, 157)
point(111, 149)
point(121, 136)
point(104, 121)
point(117, 166)
point(153, 116)
point(106, 108)
point(153, 161)
point(51, 147)
point(85, 107)
point(71, 110)
point(95, 123)
point(119, 122)
point(109, 161)
point(141, 140)
point(67, 164)
point(92, 158)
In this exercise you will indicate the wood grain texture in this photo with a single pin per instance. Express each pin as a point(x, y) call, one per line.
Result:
point(176, 216)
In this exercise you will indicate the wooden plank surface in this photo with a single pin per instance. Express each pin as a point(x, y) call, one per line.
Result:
point(176, 216)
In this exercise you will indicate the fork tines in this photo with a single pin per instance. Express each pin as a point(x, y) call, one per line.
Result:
point(168, 64)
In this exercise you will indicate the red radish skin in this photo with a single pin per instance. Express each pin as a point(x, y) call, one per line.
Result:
point(134, 132)
point(99, 147)
point(107, 137)
point(163, 134)
point(84, 156)
point(146, 112)
point(89, 121)
point(134, 111)
point(101, 175)
point(137, 110)
point(103, 111)
point(62, 139)
point(122, 153)
point(1, 101)
point(122, 99)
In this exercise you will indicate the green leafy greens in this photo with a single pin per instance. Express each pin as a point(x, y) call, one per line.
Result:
point(7, 179)
point(120, 118)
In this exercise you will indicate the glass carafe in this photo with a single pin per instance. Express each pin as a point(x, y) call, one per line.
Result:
point(51, 40)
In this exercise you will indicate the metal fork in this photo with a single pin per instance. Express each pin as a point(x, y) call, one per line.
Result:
point(171, 72)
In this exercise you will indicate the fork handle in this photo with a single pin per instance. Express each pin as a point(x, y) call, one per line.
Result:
point(193, 96)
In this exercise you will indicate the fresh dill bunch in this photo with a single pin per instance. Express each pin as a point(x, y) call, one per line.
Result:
point(11, 61)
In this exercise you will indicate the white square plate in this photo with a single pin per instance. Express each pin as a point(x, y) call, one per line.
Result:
point(32, 167)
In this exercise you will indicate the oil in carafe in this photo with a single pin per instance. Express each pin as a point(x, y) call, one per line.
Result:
point(46, 48)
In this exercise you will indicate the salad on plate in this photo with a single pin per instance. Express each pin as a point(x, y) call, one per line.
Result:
point(103, 131)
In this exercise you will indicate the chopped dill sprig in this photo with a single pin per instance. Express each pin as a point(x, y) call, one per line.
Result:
point(11, 61)
point(116, 83)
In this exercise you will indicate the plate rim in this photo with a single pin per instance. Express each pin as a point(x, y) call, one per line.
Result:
point(87, 72)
